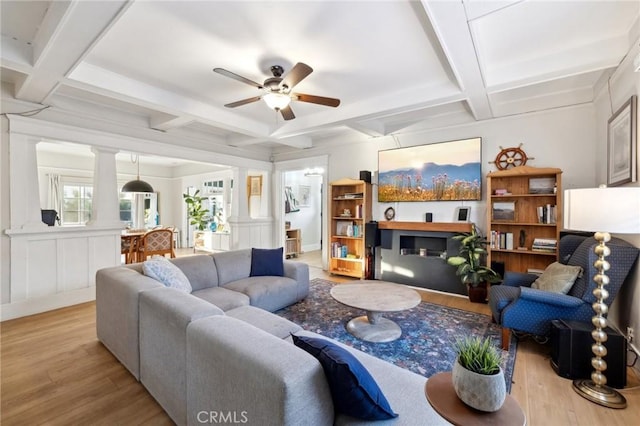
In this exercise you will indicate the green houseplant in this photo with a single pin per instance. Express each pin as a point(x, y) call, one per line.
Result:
point(477, 375)
point(470, 265)
point(198, 215)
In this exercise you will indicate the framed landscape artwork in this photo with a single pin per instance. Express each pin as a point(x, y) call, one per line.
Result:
point(443, 171)
point(622, 146)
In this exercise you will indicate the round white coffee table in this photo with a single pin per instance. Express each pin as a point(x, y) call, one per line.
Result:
point(375, 297)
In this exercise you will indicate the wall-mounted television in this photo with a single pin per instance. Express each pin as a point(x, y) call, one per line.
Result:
point(445, 171)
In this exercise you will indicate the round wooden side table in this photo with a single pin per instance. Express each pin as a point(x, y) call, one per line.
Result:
point(442, 397)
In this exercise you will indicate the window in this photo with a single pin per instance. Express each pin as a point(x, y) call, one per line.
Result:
point(126, 208)
point(76, 203)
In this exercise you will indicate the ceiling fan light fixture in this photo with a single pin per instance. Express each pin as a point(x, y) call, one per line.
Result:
point(276, 101)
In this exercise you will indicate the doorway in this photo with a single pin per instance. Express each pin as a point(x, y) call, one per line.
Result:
point(300, 203)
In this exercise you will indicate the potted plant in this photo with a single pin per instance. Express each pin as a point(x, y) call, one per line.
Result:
point(470, 265)
point(198, 216)
point(477, 376)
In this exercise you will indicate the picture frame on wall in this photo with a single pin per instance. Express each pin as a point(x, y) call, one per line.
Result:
point(622, 144)
point(255, 185)
point(304, 195)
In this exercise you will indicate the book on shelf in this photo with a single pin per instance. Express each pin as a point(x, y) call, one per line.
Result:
point(509, 241)
point(338, 250)
point(501, 240)
point(501, 192)
point(535, 271)
point(546, 214)
point(547, 245)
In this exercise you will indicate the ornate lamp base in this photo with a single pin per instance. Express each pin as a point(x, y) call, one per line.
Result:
point(596, 389)
point(603, 395)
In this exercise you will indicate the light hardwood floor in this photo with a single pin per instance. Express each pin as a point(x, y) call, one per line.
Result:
point(55, 372)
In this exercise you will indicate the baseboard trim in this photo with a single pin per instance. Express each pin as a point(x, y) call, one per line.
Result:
point(38, 305)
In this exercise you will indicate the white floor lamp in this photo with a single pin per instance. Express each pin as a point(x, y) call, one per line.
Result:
point(616, 210)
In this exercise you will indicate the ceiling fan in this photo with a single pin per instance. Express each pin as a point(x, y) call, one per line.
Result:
point(277, 89)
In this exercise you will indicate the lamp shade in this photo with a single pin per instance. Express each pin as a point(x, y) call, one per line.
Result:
point(614, 210)
point(137, 186)
point(276, 101)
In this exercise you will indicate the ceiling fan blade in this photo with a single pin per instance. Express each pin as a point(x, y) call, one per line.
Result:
point(243, 102)
point(296, 75)
point(237, 77)
point(287, 113)
point(321, 100)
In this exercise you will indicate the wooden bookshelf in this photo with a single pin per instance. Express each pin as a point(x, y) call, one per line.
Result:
point(349, 209)
point(515, 198)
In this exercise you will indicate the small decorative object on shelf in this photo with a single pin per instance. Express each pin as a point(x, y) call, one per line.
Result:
point(350, 209)
point(526, 205)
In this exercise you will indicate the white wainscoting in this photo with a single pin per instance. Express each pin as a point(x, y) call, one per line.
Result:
point(56, 267)
point(255, 232)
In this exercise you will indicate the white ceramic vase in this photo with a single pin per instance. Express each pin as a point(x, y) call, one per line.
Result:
point(479, 391)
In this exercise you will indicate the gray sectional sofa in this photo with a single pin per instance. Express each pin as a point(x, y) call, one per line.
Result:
point(219, 356)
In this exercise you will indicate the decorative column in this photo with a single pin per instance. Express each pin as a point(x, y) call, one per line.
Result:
point(240, 204)
point(105, 210)
point(24, 190)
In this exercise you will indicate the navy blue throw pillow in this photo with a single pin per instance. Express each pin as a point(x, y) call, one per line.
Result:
point(353, 390)
point(266, 262)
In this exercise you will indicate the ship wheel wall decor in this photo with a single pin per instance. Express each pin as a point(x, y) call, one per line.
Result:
point(511, 157)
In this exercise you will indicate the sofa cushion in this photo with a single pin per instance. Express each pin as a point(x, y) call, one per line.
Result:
point(557, 278)
point(200, 269)
point(223, 298)
point(161, 269)
point(268, 293)
point(353, 390)
point(232, 265)
point(267, 262)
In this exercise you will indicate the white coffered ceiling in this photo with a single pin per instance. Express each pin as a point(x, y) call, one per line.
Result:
point(397, 66)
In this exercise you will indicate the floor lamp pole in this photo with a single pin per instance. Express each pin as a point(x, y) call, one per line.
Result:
point(596, 389)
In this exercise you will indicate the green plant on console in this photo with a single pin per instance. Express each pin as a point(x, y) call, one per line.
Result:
point(470, 259)
point(478, 355)
point(198, 215)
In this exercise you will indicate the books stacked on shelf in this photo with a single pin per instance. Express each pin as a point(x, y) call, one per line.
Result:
point(338, 250)
point(547, 214)
point(547, 245)
point(341, 251)
point(501, 240)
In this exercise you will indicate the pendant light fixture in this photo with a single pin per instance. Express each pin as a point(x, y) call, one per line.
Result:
point(137, 185)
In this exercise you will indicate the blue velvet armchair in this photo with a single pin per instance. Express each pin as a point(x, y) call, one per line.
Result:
point(516, 306)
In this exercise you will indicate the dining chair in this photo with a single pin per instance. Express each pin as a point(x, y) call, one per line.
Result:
point(157, 241)
point(125, 248)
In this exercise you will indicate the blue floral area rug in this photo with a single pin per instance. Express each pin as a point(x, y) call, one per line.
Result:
point(428, 331)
